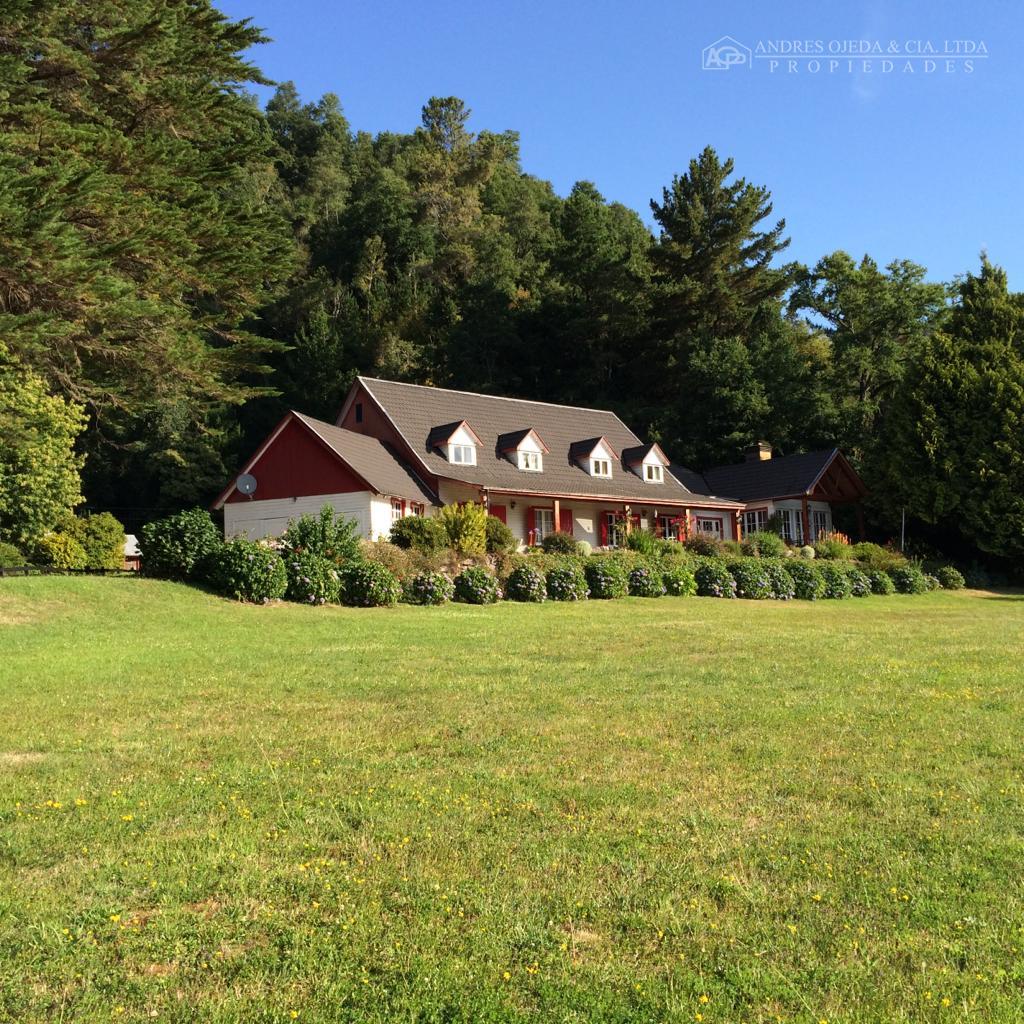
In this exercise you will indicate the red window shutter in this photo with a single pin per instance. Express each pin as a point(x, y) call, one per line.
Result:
point(531, 524)
point(604, 529)
point(499, 512)
point(565, 520)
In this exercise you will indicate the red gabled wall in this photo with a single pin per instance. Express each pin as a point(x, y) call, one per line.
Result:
point(298, 464)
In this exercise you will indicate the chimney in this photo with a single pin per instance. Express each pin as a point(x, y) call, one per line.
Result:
point(760, 452)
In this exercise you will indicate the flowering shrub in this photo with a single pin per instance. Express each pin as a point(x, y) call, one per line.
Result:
point(248, 571)
point(429, 588)
point(312, 579)
point(763, 544)
point(714, 579)
point(860, 585)
point(832, 545)
point(881, 582)
point(476, 585)
point(783, 587)
point(176, 548)
point(807, 582)
point(679, 581)
point(606, 578)
point(567, 583)
point(751, 580)
point(559, 544)
point(908, 579)
point(950, 578)
point(931, 582)
point(368, 585)
point(836, 581)
point(525, 584)
point(645, 582)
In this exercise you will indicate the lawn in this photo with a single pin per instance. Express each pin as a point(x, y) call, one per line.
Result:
point(660, 810)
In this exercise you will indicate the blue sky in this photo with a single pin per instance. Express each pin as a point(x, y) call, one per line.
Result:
point(924, 165)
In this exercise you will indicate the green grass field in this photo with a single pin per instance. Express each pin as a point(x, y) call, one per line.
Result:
point(661, 810)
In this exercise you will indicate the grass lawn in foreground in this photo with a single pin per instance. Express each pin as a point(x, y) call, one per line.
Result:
point(640, 810)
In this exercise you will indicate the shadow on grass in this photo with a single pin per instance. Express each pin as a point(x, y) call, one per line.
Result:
point(1003, 594)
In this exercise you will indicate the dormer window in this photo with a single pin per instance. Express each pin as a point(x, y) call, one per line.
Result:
point(601, 467)
point(648, 461)
point(524, 448)
point(532, 462)
point(462, 454)
point(654, 474)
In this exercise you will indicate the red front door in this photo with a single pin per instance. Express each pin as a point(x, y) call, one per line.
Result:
point(500, 512)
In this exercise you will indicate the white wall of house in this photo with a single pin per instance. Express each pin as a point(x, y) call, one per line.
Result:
point(270, 518)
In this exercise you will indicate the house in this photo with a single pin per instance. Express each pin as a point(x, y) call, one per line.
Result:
point(400, 449)
point(801, 490)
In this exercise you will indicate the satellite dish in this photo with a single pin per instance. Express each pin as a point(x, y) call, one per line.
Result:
point(246, 483)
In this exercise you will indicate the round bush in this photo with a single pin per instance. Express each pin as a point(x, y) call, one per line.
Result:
point(908, 579)
point(837, 583)
point(567, 583)
point(559, 544)
point(429, 588)
point(829, 547)
point(783, 588)
point(751, 580)
point(525, 584)
point(950, 578)
point(11, 557)
point(421, 533)
point(808, 584)
point(881, 582)
point(369, 585)
point(606, 578)
point(248, 571)
point(177, 548)
point(763, 544)
point(476, 585)
point(932, 582)
point(679, 581)
point(583, 548)
point(703, 544)
point(642, 541)
point(312, 579)
point(860, 585)
point(714, 579)
point(645, 582)
point(807, 551)
point(61, 551)
point(499, 539)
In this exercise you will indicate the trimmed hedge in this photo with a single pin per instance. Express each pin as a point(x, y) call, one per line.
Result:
point(425, 534)
point(679, 581)
point(526, 584)
point(559, 544)
point(312, 579)
point(567, 583)
point(369, 585)
point(751, 580)
point(645, 582)
point(714, 579)
point(476, 585)
point(62, 551)
point(248, 571)
point(606, 578)
point(808, 584)
point(498, 538)
point(428, 588)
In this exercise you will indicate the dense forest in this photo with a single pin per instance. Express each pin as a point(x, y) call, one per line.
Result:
point(179, 266)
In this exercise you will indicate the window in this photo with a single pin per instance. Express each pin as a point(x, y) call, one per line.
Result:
point(668, 527)
point(710, 525)
point(819, 524)
point(359, 412)
point(415, 509)
point(600, 467)
point(397, 509)
point(531, 461)
point(653, 474)
point(755, 520)
point(791, 525)
point(615, 530)
point(543, 523)
point(462, 454)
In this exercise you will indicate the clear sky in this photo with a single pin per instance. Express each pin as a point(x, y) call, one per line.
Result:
point(924, 164)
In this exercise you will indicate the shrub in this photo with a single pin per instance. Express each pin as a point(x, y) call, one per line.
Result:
point(421, 533)
point(932, 582)
point(368, 585)
point(525, 584)
point(60, 550)
point(977, 577)
point(179, 547)
point(559, 544)
point(642, 541)
point(808, 584)
point(429, 588)
point(832, 545)
point(751, 580)
point(783, 587)
point(248, 571)
point(332, 537)
point(703, 544)
point(312, 579)
point(10, 556)
point(837, 582)
point(807, 551)
point(607, 578)
point(476, 585)
point(860, 585)
point(645, 582)
point(714, 579)
point(567, 583)
point(763, 544)
point(908, 579)
point(874, 556)
point(466, 528)
point(881, 582)
point(679, 581)
point(102, 537)
point(950, 578)
point(498, 538)
point(732, 547)
point(583, 548)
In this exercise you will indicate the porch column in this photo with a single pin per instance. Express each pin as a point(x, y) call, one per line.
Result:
point(738, 520)
point(557, 517)
point(805, 516)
